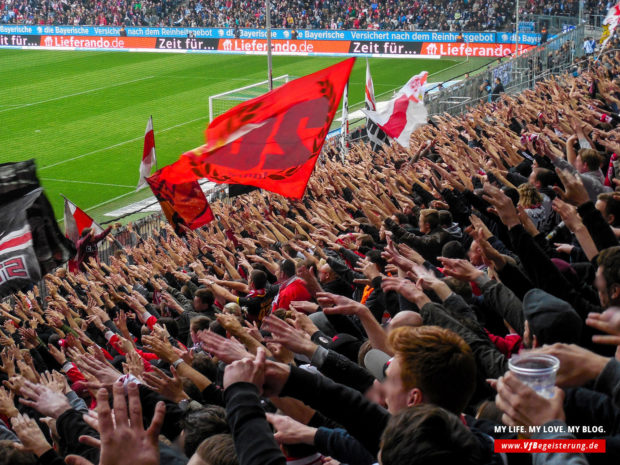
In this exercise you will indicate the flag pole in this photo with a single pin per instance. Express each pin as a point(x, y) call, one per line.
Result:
point(269, 66)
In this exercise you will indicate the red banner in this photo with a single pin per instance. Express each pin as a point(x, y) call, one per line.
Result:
point(182, 203)
point(272, 141)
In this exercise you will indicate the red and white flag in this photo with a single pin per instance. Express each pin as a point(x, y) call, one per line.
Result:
point(148, 154)
point(610, 23)
point(76, 220)
point(369, 91)
point(404, 113)
point(344, 127)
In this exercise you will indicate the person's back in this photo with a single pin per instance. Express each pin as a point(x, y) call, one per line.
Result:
point(429, 435)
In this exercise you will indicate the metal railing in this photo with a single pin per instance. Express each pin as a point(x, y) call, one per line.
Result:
point(516, 74)
point(143, 228)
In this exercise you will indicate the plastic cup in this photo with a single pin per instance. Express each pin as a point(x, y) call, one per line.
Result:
point(537, 371)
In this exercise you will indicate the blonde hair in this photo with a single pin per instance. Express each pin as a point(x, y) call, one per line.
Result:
point(528, 196)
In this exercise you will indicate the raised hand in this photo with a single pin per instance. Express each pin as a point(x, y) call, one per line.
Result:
point(460, 269)
point(170, 388)
point(575, 193)
point(160, 347)
point(407, 289)
point(45, 401)
point(607, 322)
point(103, 372)
point(334, 304)
point(227, 350)
point(289, 431)
point(7, 403)
point(30, 435)
point(247, 370)
point(124, 441)
point(293, 339)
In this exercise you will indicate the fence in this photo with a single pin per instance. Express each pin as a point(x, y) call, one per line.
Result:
point(516, 73)
point(143, 228)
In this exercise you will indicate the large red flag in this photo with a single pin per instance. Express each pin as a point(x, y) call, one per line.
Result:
point(76, 220)
point(183, 203)
point(272, 141)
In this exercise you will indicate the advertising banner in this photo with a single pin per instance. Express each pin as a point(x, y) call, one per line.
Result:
point(18, 40)
point(529, 38)
point(470, 50)
point(309, 47)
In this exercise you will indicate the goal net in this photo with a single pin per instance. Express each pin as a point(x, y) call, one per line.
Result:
point(223, 102)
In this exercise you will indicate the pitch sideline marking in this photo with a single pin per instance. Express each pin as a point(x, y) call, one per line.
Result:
point(120, 143)
point(17, 107)
point(89, 182)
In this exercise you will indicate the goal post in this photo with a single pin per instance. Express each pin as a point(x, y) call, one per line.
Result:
point(220, 103)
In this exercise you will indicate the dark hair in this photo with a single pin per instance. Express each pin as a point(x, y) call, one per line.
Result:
point(375, 257)
point(199, 425)
point(445, 218)
point(462, 288)
point(612, 206)
point(258, 279)
point(53, 339)
point(431, 217)
point(402, 218)
point(287, 268)
point(218, 450)
point(453, 249)
point(198, 323)
point(609, 259)
point(217, 328)
point(438, 362)
point(206, 296)
point(429, 435)
point(171, 326)
point(205, 365)
point(191, 389)
point(9, 455)
point(545, 177)
point(288, 248)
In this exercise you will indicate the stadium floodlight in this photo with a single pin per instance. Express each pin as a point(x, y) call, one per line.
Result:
point(220, 103)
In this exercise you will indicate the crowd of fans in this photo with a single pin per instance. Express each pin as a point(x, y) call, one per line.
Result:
point(372, 321)
point(444, 15)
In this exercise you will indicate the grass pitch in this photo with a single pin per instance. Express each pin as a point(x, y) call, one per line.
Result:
point(82, 115)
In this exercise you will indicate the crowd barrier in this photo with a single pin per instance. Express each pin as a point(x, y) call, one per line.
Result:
point(401, 44)
point(516, 73)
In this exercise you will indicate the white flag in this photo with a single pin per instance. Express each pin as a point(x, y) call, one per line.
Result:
point(369, 93)
point(344, 127)
point(148, 154)
point(609, 23)
point(405, 112)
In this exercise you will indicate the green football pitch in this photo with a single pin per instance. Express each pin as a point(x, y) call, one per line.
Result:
point(81, 115)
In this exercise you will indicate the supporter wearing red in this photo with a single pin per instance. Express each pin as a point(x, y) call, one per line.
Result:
point(87, 245)
point(290, 287)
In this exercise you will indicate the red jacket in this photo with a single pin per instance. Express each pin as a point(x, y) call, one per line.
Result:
point(295, 290)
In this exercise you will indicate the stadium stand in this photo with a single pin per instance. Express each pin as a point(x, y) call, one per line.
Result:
point(443, 15)
point(388, 303)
